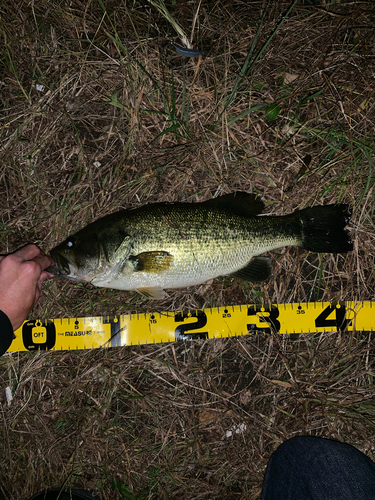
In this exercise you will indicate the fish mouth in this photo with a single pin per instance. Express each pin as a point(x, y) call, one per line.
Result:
point(54, 270)
point(62, 267)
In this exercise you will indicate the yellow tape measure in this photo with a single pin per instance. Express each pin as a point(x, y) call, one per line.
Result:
point(220, 322)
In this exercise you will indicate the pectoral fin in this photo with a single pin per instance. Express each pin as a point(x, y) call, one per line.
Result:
point(155, 292)
point(152, 262)
point(257, 270)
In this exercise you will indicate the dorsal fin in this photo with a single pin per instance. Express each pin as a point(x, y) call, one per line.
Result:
point(238, 202)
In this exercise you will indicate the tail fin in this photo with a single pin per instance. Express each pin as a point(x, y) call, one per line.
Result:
point(323, 228)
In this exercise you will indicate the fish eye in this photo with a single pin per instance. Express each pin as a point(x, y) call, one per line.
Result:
point(70, 242)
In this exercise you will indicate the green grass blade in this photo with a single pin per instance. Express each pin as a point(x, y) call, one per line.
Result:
point(253, 109)
point(247, 66)
point(161, 7)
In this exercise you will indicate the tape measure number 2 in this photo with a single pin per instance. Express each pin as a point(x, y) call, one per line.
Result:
point(221, 322)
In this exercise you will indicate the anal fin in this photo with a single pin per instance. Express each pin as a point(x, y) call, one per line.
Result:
point(154, 292)
point(257, 270)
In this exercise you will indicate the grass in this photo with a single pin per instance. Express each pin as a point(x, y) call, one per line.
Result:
point(99, 112)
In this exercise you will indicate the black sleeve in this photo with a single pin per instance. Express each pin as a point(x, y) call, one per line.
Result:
point(6, 333)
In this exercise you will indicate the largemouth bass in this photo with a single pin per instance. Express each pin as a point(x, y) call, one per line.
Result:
point(175, 245)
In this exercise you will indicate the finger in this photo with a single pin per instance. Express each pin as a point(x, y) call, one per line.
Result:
point(41, 280)
point(44, 261)
point(38, 291)
point(45, 276)
point(28, 252)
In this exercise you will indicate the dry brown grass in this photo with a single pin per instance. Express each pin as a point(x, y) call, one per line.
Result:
point(156, 417)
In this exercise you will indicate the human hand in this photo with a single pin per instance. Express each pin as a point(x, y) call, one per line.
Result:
point(22, 274)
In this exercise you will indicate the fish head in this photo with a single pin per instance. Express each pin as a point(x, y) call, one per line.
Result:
point(92, 253)
point(77, 258)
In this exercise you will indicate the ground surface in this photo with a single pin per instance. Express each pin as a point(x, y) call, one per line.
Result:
point(99, 112)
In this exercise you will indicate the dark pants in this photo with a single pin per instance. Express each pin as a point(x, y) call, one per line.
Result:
point(311, 468)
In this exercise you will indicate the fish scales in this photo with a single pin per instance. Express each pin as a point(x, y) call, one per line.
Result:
point(204, 244)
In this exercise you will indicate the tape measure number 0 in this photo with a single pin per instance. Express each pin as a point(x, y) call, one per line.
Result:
point(220, 322)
